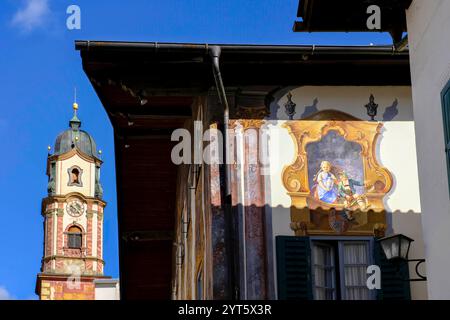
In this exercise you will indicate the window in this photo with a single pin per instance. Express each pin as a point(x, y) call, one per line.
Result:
point(75, 173)
point(355, 260)
point(315, 268)
point(339, 270)
point(75, 176)
point(445, 95)
point(324, 272)
point(74, 238)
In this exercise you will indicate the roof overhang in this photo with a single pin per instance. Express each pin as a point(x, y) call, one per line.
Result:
point(152, 85)
point(122, 72)
point(351, 16)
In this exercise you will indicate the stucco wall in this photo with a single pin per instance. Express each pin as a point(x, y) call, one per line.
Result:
point(88, 176)
point(395, 150)
point(107, 289)
point(429, 41)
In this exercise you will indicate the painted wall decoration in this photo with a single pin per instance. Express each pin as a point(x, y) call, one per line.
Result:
point(336, 183)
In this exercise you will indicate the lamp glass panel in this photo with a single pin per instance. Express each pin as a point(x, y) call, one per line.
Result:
point(404, 247)
point(390, 247)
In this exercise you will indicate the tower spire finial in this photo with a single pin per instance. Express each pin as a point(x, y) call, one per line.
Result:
point(75, 104)
point(75, 123)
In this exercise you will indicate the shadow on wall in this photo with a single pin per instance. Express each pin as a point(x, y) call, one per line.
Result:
point(260, 262)
point(285, 106)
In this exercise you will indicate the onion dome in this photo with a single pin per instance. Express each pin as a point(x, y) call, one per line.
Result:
point(75, 137)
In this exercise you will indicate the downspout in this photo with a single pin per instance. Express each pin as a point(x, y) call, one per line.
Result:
point(215, 55)
point(215, 52)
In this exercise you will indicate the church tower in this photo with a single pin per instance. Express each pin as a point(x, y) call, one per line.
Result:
point(73, 218)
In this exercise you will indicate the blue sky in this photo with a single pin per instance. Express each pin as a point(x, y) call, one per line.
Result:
point(40, 68)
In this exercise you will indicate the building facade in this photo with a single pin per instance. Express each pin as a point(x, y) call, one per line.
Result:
point(321, 163)
point(292, 240)
point(73, 218)
point(426, 23)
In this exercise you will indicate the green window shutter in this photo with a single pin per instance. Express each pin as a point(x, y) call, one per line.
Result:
point(446, 116)
point(294, 268)
point(393, 284)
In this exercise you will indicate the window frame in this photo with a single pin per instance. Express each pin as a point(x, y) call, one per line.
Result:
point(334, 286)
point(445, 108)
point(340, 278)
point(78, 235)
point(70, 183)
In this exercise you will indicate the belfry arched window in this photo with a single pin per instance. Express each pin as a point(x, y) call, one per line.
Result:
point(75, 237)
point(75, 174)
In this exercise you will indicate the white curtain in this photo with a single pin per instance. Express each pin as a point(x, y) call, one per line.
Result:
point(355, 267)
point(324, 286)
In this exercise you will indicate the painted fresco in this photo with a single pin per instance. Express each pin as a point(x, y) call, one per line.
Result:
point(336, 173)
point(336, 183)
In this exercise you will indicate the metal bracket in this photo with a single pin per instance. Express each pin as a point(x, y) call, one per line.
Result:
point(420, 277)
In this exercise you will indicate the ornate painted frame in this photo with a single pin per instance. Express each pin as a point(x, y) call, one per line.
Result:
point(306, 220)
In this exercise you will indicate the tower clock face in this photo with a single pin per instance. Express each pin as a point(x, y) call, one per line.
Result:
point(75, 208)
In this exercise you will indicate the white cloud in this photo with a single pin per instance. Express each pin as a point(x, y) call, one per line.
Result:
point(32, 15)
point(4, 294)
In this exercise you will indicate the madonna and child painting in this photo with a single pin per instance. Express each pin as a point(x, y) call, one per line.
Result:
point(336, 174)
